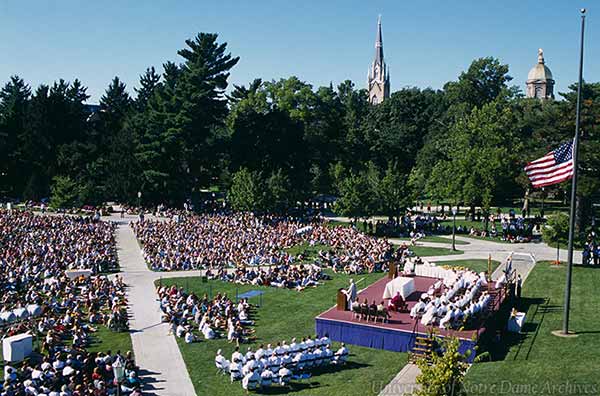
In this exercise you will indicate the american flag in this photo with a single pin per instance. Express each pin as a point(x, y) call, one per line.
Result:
point(554, 167)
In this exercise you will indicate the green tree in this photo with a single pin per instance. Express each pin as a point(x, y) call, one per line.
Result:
point(446, 373)
point(14, 102)
point(485, 81)
point(356, 195)
point(279, 192)
point(66, 193)
point(556, 231)
point(392, 192)
point(247, 191)
point(480, 159)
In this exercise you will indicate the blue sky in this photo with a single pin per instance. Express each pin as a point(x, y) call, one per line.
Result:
point(426, 43)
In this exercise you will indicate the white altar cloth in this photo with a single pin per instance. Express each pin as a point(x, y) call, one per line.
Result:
point(401, 284)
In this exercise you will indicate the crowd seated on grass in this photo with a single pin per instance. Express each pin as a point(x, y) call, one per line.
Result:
point(456, 302)
point(278, 365)
point(38, 298)
point(225, 240)
point(297, 277)
point(193, 318)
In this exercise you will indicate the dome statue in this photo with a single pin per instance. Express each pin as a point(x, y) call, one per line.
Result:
point(540, 83)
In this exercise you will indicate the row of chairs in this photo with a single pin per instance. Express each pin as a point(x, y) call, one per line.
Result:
point(362, 312)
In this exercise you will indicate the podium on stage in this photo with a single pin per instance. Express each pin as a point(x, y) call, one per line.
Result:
point(341, 300)
point(392, 271)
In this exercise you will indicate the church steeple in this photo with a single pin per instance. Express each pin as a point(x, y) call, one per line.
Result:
point(379, 43)
point(378, 83)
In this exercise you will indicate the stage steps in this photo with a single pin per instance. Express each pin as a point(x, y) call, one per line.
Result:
point(423, 348)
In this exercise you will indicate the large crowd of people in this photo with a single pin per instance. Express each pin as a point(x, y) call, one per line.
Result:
point(218, 242)
point(193, 318)
point(62, 311)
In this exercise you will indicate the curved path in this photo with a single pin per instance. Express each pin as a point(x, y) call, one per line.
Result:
point(480, 249)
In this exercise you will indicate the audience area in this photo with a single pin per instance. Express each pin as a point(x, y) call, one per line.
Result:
point(61, 311)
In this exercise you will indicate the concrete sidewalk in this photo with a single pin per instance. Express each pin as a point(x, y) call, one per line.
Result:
point(163, 370)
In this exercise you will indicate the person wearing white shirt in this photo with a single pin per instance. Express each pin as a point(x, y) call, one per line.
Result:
point(285, 347)
point(251, 381)
point(180, 331)
point(208, 332)
point(269, 350)
point(235, 369)
point(249, 366)
point(221, 362)
point(326, 341)
point(294, 347)
point(260, 352)
point(299, 360)
point(429, 316)
point(189, 337)
point(447, 319)
point(249, 354)
point(310, 344)
point(285, 375)
point(273, 362)
point(278, 350)
point(417, 309)
point(341, 355)
point(318, 357)
point(236, 355)
point(266, 378)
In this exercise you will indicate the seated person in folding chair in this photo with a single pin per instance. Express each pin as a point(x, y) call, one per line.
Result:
point(364, 309)
point(418, 309)
point(221, 363)
point(356, 309)
point(285, 375)
point(341, 355)
point(373, 311)
point(266, 378)
point(235, 369)
point(382, 312)
point(251, 381)
point(397, 303)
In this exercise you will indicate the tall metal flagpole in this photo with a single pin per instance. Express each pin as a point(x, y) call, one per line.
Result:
point(565, 329)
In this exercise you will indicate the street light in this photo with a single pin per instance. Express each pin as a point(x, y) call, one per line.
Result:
point(119, 373)
point(454, 210)
point(139, 199)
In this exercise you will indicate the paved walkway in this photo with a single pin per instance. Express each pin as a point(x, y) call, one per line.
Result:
point(480, 249)
point(404, 383)
point(157, 354)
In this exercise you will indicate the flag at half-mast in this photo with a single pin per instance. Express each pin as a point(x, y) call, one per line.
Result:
point(554, 167)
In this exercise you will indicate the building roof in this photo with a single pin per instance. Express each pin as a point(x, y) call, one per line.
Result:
point(540, 71)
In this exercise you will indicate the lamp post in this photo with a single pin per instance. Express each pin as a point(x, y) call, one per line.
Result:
point(119, 373)
point(139, 199)
point(454, 210)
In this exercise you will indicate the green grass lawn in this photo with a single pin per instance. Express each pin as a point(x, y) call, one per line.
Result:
point(435, 238)
point(286, 314)
point(477, 265)
point(537, 358)
point(104, 340)
point(425, 251)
